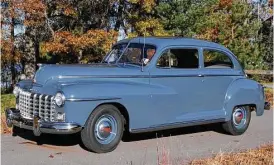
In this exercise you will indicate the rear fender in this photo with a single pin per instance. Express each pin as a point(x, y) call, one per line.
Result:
point(244, 92)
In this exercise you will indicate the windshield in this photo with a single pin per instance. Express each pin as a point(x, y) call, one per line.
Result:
point(133, 54)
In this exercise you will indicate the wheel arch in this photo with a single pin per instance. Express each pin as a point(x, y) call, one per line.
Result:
point(123, 110)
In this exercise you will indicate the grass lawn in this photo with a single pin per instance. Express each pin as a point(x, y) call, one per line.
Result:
point(7, 101)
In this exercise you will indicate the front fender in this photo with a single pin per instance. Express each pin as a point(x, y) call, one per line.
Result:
point(243, 91)
point(104, 89)
point(83, 98)
point(25, 84)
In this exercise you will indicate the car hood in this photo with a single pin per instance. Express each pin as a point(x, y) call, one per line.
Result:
point(56, 72)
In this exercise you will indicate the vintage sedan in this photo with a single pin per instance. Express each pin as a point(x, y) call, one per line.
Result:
point(142, 85)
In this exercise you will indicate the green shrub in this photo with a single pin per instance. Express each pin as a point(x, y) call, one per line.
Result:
point(6, 90)
point(262, 78)
point(7, 101)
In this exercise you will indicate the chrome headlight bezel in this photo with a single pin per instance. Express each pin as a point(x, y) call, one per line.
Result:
point(59, 99)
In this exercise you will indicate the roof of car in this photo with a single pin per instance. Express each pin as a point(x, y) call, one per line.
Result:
point(167, 41)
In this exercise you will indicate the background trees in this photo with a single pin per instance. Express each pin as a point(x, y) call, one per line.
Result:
point(231, 23)
point(82, 31)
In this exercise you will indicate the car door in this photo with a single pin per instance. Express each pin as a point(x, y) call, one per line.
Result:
point(176, 84)
point(218, 72)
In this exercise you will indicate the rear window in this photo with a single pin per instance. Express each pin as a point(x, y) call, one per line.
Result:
point(216, 59)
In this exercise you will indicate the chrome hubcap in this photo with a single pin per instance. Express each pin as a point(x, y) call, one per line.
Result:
point(239, 117)
point(105, 129)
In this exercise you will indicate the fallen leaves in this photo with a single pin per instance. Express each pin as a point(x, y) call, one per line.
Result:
point(4, 128)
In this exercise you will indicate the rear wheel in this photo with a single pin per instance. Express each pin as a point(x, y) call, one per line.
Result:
point(239, 122)
point(103, 130)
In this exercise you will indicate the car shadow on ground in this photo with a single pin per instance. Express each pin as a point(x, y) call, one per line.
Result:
point(75, 139)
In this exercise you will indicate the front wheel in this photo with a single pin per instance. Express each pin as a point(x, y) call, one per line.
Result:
point(103, 130)
point(239, 122)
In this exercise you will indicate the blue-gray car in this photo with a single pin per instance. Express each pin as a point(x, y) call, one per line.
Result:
point(141, 85)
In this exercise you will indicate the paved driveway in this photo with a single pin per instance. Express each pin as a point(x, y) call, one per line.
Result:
point(180, 145)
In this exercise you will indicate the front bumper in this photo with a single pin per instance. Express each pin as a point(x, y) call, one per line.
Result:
point(38, 126)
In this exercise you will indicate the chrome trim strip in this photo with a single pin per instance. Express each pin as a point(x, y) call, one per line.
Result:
point(174, 76)
point(147, 76)
point(51, 108)
point(107, 76)
point(39, 107)
point(175, 125)
point(192, 75)
point(217, 75)
point(91, 99)
point(34, 103)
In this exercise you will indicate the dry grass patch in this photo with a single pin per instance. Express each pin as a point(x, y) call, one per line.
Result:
point(259, 156)
point(269, 96)
point(4, 127)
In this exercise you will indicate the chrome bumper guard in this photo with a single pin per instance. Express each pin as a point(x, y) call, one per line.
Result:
point(38, 126)
point(267, 106)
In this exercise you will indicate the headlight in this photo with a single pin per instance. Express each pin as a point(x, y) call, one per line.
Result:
point(59, 99)
point(16, 91)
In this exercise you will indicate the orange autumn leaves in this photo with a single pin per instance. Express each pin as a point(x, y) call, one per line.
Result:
point(142, 21)
point(65, 41)
point(34, 12)
point(6, 50)
point(24, 13)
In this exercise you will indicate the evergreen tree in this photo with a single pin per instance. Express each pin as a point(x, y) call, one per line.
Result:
point(231, 23)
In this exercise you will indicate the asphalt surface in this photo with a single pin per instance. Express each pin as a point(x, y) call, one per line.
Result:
point(178, 146)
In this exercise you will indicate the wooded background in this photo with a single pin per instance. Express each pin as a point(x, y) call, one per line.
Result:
point(82, 31)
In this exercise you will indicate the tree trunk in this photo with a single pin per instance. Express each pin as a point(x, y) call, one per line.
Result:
point(29, 58)
point(80, 56)
point(37, 54)
point(13, 74)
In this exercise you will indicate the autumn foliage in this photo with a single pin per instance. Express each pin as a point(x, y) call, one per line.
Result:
point(66, 42)
point(34, 12)
point(66, 31)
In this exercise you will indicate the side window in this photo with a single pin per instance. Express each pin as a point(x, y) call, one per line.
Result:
point(179, 58)
point(216, 59)
point(133, 54)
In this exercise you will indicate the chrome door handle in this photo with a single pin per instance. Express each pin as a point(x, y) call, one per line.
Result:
point(200, 75)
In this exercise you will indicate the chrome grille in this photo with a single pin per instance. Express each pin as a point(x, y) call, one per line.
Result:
point(32, 103)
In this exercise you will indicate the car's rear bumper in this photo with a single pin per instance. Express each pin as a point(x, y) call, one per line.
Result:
point(267, 106)
point(13, 117)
